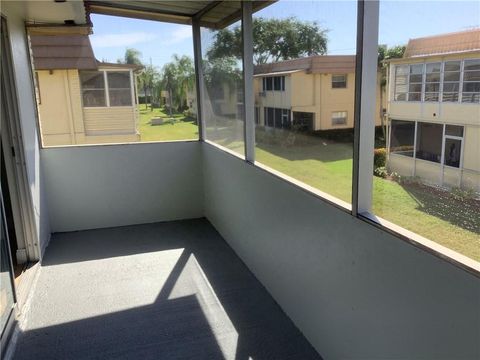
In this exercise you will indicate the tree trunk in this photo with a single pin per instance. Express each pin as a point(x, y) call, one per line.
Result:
point(170, 100)
point(382, 117)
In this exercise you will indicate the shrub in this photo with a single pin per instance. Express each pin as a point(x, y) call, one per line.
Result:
point(379, 158)
point(381, 172)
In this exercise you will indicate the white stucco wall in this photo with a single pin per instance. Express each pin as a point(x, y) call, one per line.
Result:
point(114, 185)
point(355, 291)
point(13, 13)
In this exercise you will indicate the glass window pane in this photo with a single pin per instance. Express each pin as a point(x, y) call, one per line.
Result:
point(450, 87)
point(416, 78)
point(471, 86)
point(120, 97)
point(402, 69)
point(471, 76)
point(416, 69)
point(222, 68)
point(118, 80)
point(471, 97)
point(431, 96)
point(454, 130)
point(472, 64)
point(451, 76)
point(452, 66)
point(434, 77)
point(434, 68)
point(402, 137)
point(453, 147)
point(92, 80)
point(432, 87)
point(450, 96)
point(94, 98)
point(302, 132)
point(429, 141)
point(414, 96)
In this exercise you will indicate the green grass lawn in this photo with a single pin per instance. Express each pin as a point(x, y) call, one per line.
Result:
point(327, 166)
point(176, 128)
point(429, 212)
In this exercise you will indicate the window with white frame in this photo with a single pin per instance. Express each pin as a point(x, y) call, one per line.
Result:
point(451, 80)
point(119, 88)
point(432, 81)
point(339, 118)
point(106, 88)
point(339, 81)
point(471, 81)
point(453, 145)
point(415, 80)
point(401, 82)
point(93, 88)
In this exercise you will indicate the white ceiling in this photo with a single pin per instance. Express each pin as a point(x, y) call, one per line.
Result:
point(51, 12)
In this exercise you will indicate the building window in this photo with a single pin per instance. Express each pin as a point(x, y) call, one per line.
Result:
point(429, 142)
point(339, 118)
point(95, 84)
point(451, 81)
point(471, 81)
point(402, 138)
point(339, 81)
point(119, 88)
point(432, 81)
point(430, 138)
point(277, 118)
point(453, 145)
point(274, 83)
point(93, 88)
point(401, 82)
point(415, 82)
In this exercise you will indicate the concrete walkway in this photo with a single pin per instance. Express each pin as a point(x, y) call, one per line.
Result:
point(170, 290)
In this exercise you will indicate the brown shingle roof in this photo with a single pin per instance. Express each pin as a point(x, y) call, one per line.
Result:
point(52, 52)
point(318, 64)
point(463, 41)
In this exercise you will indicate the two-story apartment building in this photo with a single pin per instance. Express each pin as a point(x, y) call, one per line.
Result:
point(315, 93)
point(434, 110)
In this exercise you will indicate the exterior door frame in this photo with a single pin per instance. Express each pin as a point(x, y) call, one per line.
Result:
point(12, 140)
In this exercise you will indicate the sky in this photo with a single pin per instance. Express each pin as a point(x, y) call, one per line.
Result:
point(399, 21)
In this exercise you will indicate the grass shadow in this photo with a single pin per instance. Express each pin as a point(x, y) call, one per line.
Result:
point(443, 205)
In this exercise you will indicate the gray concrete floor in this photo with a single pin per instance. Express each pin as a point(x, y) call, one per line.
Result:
point(171, 290)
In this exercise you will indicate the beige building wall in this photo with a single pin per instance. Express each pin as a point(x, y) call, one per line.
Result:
point(313, 93)
point(64, 121)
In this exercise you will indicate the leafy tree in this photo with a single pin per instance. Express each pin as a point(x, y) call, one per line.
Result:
point(273, 40)
point(132, 56)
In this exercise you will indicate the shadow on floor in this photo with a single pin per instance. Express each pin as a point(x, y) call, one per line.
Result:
point(210, 305)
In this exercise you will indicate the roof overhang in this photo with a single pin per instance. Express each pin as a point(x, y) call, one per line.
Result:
point(278, 73)
point(423, 57)
point(211, 14)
